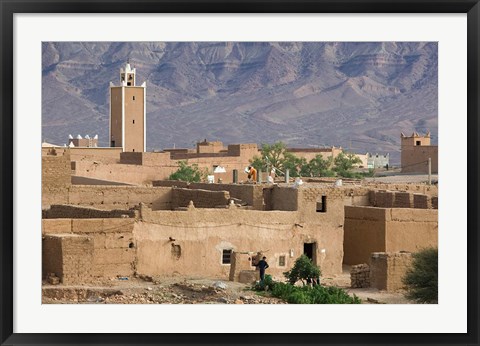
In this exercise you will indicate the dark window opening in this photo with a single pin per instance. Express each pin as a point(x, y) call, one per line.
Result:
point(133, 149)
point(176, 251)
point(133, 98)
point(226, 256)
point(281, 261)
point(129, 84)
point(133, 121)
point(112, 144)
point(322, 205)
point(418, 143)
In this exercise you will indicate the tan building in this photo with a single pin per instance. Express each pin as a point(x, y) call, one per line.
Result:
point(128, 113)
point(416, 151)
point(86, 142)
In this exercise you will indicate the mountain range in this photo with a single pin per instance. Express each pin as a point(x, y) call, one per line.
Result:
point(358, 95)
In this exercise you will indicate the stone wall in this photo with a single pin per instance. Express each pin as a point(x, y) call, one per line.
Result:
point(360, 276)
point(201, 198)
point(77, 212)
point(388, 269)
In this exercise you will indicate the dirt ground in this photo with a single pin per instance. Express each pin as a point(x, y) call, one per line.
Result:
point(191, 290)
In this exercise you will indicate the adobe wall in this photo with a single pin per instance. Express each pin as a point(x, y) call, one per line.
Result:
point(200, 198)
point(311, 153)
point(371, 229)
point(170, 183)
point(411, 229)
point(68, 256)
point(70, 211)
point(105, 155)
point(430, 190)
point(388, 269)
point(108, 197)
point(202, 234)
point(146, 158)
point(414, 159)
point(110, 251)
point(283, 199)
point(123, 173)
point(252, 194)
point(56, 170)
point(364, 233)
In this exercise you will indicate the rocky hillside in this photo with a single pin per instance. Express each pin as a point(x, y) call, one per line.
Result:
point(307, 94)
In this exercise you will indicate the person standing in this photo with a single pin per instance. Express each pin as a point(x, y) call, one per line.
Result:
point(252, 174)
point(262, 265)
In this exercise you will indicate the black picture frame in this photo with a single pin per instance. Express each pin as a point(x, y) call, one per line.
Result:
point(10, 7)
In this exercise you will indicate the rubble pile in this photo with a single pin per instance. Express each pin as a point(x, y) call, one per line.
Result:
point(152, 291)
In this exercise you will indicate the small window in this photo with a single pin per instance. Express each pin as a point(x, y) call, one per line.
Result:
point(133, 121)
point(129, 84)
point(418, 143)
point(322, 205)
point(281, 261)
point(133, 98)
point(226, 256)
point(133, 150)
point(176, 251)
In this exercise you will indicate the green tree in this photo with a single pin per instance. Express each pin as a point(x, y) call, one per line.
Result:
point(343, 164)
point(191, 174)
point(303, 270)
point(421, 279)
point(276, 155)
point(295, 165)
point(319, 167)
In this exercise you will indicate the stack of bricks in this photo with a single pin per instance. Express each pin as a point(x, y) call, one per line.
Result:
point(200, 198)
point(384, 199)
point(421, 201)
point(402, 199)
point(360, 276)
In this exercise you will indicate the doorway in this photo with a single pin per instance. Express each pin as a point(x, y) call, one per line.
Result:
point(310, 250)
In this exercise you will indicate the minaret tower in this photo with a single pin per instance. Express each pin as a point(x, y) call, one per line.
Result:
point(128, 112)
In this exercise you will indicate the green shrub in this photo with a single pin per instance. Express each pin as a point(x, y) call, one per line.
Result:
point(266, 284)
point(303, 270)
point(191, 174)
point(305, 294)
point(421, 279)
